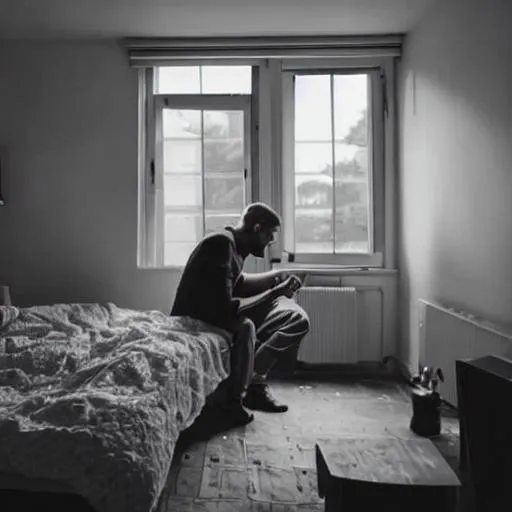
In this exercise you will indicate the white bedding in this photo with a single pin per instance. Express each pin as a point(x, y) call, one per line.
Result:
point(95, 396)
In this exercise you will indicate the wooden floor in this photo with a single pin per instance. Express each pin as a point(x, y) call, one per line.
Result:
point(269, 465)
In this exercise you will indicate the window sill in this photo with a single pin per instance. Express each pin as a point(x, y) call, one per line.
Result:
point(335, 270)
point(314, 269)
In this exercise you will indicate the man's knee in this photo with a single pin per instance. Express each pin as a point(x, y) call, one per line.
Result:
point(301, 321)
point(245, 330)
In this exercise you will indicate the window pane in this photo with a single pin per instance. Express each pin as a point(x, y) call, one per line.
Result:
point(224, 156)
point(182, 190)
point(313, 190)
point(203, 80)
point(313, 165)
point(226, 79)
point(223, 193)
point(189, 201)
point(313, 157)
point(183, 227)
point(351, 170)
point(223, 145)
point(217, 221)
point(350, 108)
point(177, 253)
point(352, 229)
point(182, 156)
point(177, 80)
point(317, 188)
point(223, 124)
point(313, 108)
point(313, 230)
point(181, 124)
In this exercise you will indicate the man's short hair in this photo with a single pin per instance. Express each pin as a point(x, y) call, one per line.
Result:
point(260, 213)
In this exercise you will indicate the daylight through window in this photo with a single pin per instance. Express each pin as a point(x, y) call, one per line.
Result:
point(331, 164)
point(304, 135)
point(203, 155)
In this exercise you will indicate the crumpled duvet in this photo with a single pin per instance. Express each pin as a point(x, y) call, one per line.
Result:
point(94, 396)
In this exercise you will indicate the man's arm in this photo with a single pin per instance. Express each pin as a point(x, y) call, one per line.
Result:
point(249, 285)
point(246, 303)
point(286, 288)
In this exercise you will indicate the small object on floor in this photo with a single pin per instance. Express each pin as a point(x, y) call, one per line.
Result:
point(259, 398)
point(426, 412)
point(384, 474)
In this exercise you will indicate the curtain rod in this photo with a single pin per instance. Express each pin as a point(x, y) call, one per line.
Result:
point(262, 42)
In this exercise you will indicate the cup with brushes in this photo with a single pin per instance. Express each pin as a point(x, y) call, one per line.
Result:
point(426, 402)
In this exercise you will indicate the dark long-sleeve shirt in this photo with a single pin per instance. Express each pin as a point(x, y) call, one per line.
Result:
point(206, 287)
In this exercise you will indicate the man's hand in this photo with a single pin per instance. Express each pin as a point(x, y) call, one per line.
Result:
point(289, 286)
point(285, 274)
point(301, 276)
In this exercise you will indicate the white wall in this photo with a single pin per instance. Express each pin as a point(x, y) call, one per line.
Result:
point(68, 119)
point(456, 164)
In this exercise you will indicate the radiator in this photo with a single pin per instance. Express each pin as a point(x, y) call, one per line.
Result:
point(333, 316)
point(447, 335)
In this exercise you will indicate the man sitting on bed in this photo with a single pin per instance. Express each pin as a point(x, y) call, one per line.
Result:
point(256, 308)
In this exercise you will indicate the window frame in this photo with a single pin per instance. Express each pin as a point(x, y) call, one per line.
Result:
point(286, 182)
point(151, 198)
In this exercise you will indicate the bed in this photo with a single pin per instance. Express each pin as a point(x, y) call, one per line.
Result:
point(93, 397)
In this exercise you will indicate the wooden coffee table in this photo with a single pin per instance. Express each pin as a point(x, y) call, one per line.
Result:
point(383, 474)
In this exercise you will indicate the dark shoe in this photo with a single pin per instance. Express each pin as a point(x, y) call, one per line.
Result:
point(235, 416)
point(258, 398)
point(213, 421)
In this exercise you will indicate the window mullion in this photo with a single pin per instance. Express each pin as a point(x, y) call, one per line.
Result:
point(151, 233)
point(144, 159)
point(157, 178)
point(203, 183)
point(247, 152)
point(372, 148)
point(333, 160)
point(288, 206)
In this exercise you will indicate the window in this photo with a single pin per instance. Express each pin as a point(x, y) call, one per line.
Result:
point(306, 130)
point(333, 163)
point(200, 161)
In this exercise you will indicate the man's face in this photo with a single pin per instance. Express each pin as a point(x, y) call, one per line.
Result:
point(262, 238)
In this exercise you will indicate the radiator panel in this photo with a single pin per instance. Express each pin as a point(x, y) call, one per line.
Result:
point(333, 316)
point(447, 335)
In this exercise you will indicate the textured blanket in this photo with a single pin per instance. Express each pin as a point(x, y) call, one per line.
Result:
point(95, 396)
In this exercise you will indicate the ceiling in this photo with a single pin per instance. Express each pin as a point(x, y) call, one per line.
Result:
point(58, 19)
